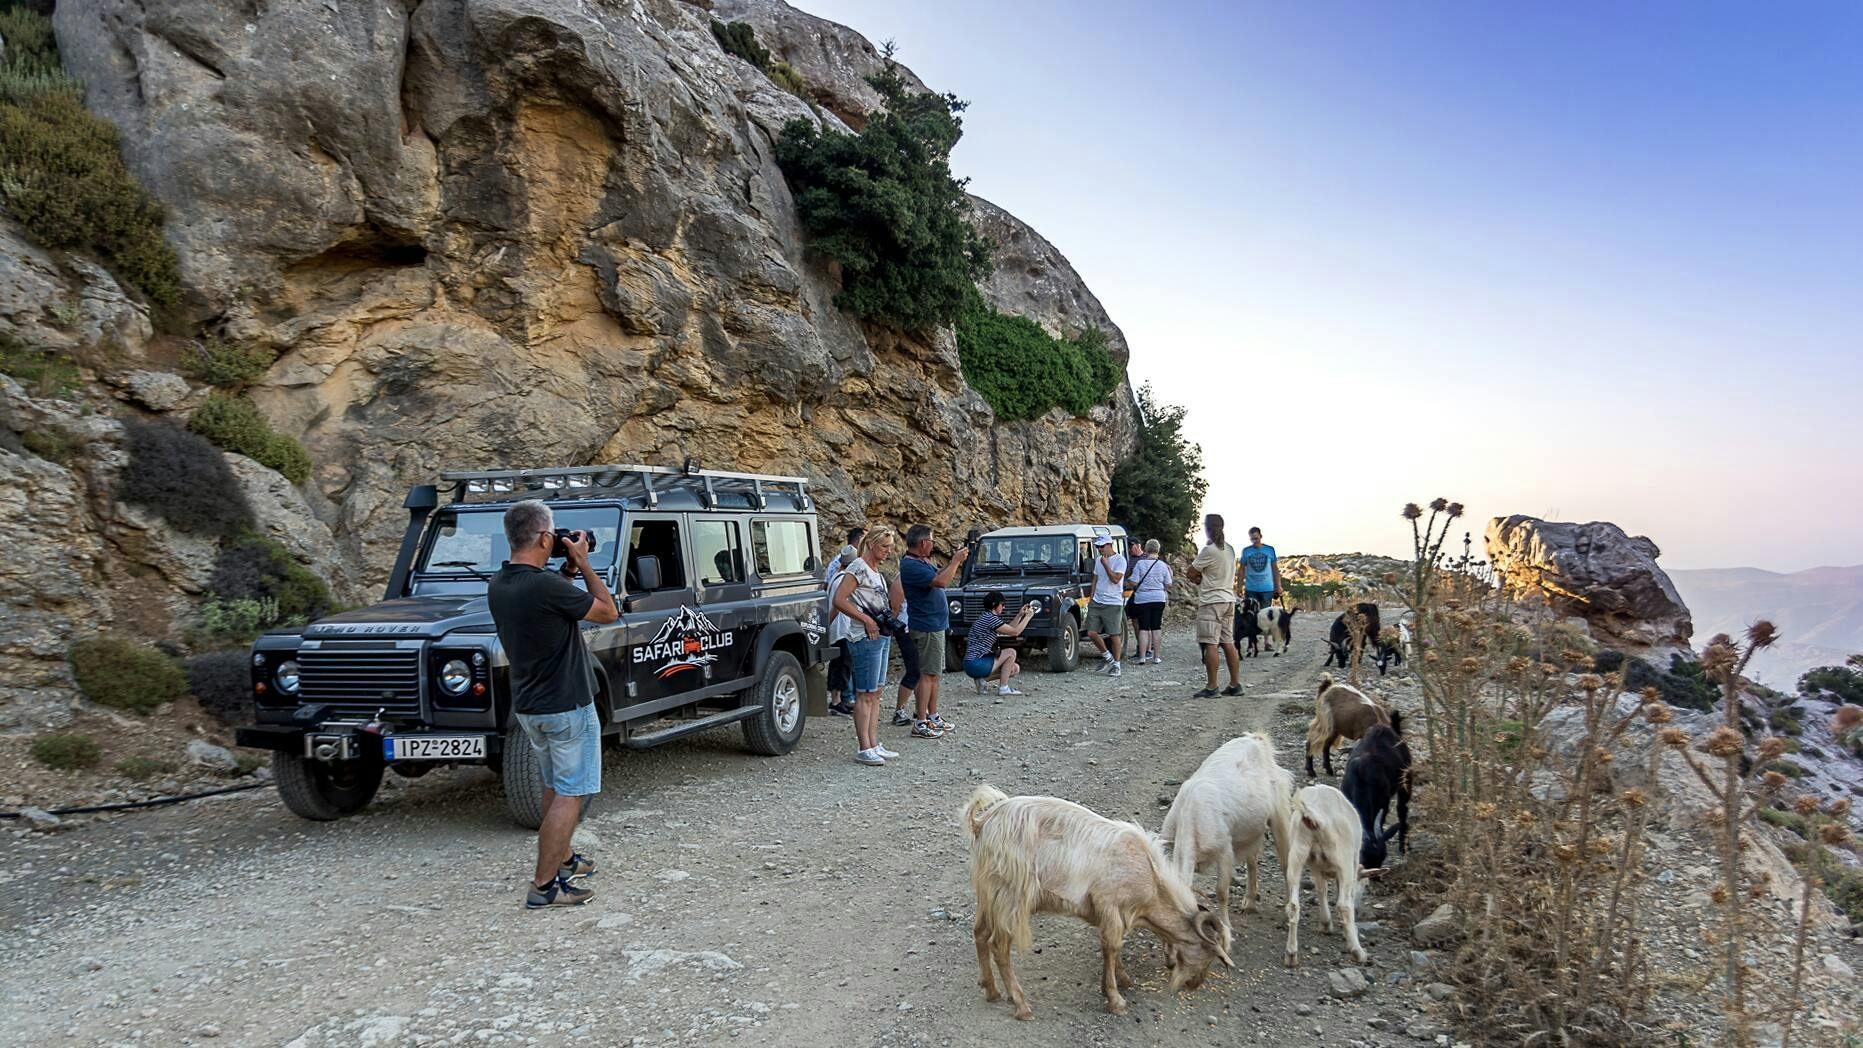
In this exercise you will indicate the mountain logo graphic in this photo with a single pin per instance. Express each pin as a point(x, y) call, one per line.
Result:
point(687, 641)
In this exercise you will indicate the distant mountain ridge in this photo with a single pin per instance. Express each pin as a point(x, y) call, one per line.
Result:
point(1819, 612)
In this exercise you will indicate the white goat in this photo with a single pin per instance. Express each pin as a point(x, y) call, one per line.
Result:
point(1326, 836)
point(1224, 810)
point(1032, 855)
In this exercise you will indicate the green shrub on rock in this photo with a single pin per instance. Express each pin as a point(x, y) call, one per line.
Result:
point(183, 478)
point(141, 768)
point(884, 206)
point(122, 674)
point(1023, 371)
point(229, 365)
point(62, 176)
point(235, 423)
point(740, 39)
point(67, 752)
point(254, 568)
point(43, 372)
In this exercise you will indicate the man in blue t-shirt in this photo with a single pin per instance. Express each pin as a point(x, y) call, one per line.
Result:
point(928, 616)
point(1261, 571)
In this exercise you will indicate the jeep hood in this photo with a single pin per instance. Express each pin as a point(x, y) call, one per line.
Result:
point(406, 617)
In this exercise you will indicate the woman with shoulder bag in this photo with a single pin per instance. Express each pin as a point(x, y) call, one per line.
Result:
point(863, 599)
point(1151, 589)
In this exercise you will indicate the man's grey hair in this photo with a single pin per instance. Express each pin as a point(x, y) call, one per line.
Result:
point(525, 521)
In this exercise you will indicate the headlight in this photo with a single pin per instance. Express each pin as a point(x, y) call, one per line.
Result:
point(957, 607)
point(1035, 602)
point(286, 676)
point(258, 658)
point(454, 676)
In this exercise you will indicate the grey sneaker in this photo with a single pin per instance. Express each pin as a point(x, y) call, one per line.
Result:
point(901, 718)
point(1114, 671)
point(558, 892)
point(579, 865)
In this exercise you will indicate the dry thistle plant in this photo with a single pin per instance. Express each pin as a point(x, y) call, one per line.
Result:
point(1540, 852)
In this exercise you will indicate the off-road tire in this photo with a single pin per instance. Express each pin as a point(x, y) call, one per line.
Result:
point(779, 694)
point(321, 791)
point(522, 778)
point(954, 652)
point(1064, 650)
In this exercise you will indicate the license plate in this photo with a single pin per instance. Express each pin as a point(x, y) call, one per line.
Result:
point(432, 747)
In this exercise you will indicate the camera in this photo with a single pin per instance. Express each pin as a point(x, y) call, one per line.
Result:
point(557, 549)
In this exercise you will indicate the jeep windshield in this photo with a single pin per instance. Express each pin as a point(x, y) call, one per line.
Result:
point(467, 546)
point(1027, 553)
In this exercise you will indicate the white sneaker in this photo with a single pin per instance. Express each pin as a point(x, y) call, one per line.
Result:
point(1006, 690)
point(884, 752)
point(869, 757)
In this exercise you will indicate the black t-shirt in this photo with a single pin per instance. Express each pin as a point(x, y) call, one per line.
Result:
point(537, 612)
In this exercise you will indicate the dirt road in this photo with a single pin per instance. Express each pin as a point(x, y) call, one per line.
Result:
point(804, 900)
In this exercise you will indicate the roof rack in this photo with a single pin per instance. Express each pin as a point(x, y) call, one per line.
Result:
point(622, 480)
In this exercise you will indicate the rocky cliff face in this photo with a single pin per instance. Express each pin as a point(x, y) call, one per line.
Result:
point(520, 233)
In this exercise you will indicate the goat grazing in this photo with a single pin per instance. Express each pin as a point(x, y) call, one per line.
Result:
point(1324, 842)
point(1339, 638)
point(1377, 771)
point(1248, 627)
point(1223, 811)
point(1032, 855)
point(1276, 624)
point(1340, 711)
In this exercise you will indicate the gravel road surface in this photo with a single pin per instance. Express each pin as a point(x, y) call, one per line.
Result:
point(803, 900)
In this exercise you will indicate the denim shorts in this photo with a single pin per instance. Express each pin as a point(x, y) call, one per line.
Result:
point(979, 667)
point(569, 749)
point(868, 664)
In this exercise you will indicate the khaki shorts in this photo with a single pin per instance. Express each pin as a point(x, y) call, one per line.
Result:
point(931, 650)
point(1216, 623)
point(1107, 620)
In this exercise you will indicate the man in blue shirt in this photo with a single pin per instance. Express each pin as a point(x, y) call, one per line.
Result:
point(928, 616)
point(1261, 571)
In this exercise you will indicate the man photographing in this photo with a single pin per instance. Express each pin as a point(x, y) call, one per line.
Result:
point(537, 613)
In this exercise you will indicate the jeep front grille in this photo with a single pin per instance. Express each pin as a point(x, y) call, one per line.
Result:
point(1012, 603)
point(360, 679)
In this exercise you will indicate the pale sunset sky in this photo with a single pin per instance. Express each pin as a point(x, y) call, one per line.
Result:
point(1588, 261)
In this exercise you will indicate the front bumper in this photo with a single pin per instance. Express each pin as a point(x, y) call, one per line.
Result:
point(344, 741)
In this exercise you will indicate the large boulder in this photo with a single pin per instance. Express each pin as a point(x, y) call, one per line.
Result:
point(1594, 571)
point(834, 60)
point(531, 232)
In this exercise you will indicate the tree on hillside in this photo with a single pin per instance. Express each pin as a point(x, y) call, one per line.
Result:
point(1157, 489)
point(884, 205)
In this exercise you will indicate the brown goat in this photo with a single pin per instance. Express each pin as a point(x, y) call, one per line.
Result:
point(1032, 855)
point(1340, 711)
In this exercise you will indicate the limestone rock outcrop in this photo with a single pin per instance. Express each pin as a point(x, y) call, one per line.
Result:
point(1596, 572)
point(531, 232)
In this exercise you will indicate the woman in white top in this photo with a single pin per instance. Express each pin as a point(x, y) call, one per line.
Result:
point(1151, 588)
point(861, 599)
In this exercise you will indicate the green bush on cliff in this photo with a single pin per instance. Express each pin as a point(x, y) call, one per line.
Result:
point(740, 39)
point(1023, 371)
point(183, 478)
point(884, 206)
point(1157, 489)
point(229, 365)
point(255, 570)
point(67, 752)
point(61, 173)
point(122, 674)
point(235, 424)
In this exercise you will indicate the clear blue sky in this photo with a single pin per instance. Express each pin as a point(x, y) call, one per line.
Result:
point(1603, 261)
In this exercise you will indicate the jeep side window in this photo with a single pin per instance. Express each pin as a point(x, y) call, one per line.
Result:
point(660, 539)
point(716, 553)
point(1086, 557)
point(782, 547)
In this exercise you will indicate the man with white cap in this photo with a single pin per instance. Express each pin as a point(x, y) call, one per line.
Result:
point(1106, 612)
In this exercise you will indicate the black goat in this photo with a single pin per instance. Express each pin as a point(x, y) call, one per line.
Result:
point(1339, 639)
point(1248, 627)
point(1377, 771)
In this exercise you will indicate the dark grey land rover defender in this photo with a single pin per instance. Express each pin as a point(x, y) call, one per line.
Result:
point(717, 577)
point(1051, 565)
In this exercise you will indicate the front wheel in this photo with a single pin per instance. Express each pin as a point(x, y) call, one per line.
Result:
point(777, 727)
point(1064, 650)
point(325, 790)
point(522, 776)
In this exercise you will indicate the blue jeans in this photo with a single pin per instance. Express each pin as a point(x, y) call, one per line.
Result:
point(869, 663)
point(569, 749)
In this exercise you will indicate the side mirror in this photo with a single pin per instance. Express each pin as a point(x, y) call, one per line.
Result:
point(647, 571)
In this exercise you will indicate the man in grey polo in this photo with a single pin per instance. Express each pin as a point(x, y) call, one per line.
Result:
point(1106, 612)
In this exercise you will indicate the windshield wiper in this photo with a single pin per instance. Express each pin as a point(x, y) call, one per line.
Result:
point(471, 568)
